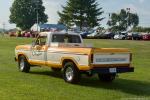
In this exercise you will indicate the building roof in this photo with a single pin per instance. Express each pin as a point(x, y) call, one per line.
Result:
point(53, 26)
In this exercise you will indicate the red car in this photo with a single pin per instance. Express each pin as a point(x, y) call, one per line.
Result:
point(146, 37)
point(12, 34)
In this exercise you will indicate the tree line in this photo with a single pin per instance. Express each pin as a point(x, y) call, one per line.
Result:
point(83, 13)
point(141, 29)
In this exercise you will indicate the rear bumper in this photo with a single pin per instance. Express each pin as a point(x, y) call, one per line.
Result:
point(112, 70)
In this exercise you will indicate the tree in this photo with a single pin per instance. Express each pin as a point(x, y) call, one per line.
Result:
point(141, 29)
point(24, 13)
point(123, 20)
point(81, 13)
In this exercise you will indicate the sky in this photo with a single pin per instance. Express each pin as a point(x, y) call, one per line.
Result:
point(141, 7)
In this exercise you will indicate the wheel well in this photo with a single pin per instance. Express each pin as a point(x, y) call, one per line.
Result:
point(68, 60)
point(21, 55)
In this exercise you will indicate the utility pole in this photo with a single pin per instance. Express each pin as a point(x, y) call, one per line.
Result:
point(3, 24)
point(37, 13)
point(4, 27)
point(128, 19)
point(37, 16)
point(109, 19)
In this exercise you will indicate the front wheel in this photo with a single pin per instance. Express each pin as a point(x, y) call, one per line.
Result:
point(23, 64)
point(106, 77)
point(71, 73)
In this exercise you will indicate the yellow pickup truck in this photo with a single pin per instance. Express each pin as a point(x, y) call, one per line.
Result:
point(67, 52)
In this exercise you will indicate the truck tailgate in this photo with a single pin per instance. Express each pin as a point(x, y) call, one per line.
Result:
point(111, 57)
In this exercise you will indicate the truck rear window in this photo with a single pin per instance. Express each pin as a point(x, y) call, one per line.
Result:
point(61, 38)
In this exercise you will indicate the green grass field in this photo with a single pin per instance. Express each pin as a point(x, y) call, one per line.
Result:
point(43, 84)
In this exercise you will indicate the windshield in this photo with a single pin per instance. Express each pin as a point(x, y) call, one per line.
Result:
point(62, 38)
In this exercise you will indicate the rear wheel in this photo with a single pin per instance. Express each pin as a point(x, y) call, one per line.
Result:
point(23, 64)
point(71, 73)
point(106, 77)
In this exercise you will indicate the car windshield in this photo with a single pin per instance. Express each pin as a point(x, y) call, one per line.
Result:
point(123, 33)
point(62, 38)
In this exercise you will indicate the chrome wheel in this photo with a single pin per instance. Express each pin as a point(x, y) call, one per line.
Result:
point(22, 64)
point(69, 73)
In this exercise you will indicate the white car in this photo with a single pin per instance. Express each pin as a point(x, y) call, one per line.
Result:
point(93, 33)
point(120, 36)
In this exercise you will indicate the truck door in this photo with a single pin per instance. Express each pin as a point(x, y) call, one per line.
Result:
point(38, 51)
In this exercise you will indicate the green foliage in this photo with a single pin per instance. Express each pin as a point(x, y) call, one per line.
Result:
point(123, 20)
point(81, 13)
point(141, 29)
point(24, 13)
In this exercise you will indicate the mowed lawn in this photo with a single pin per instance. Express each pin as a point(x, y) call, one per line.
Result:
point(43, 84)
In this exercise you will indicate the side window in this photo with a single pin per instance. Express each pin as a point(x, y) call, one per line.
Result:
point(58, 38)
point(74, 39)
point(61, 38)
point(41, 40)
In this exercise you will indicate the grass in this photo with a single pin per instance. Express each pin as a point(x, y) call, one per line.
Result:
point(43, 84)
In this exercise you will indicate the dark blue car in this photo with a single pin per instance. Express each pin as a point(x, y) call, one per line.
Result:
point(84, 34)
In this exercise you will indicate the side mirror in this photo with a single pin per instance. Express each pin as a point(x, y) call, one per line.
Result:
point(33, 43)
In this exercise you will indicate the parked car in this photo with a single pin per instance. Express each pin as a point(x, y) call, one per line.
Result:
point(27, 34)
point(137, 36)
point(12, 34)
point(146, 37)
point(84, 34)
point(128, 36)
point(106, 35)
point(120, 36)
point(92, 34)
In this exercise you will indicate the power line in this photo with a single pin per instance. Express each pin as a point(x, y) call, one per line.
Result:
point(4, 27)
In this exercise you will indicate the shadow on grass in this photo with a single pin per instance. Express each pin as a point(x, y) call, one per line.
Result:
point(135, 87)
point(49, 73)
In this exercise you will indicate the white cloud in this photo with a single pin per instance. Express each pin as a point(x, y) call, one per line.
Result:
point(141, 1)
point(142, 12)
point(51, 9)
point(138, 10)
point(132, 7)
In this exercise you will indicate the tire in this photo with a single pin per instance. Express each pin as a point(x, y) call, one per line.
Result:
point(123, 38)
point(71, 73)
point(106, 77)
point(56, 69)
point(24, 66)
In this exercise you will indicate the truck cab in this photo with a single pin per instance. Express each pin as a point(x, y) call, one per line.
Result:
point(67, 52)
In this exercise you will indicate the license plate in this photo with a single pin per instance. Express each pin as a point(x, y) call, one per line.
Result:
point(112, 70)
